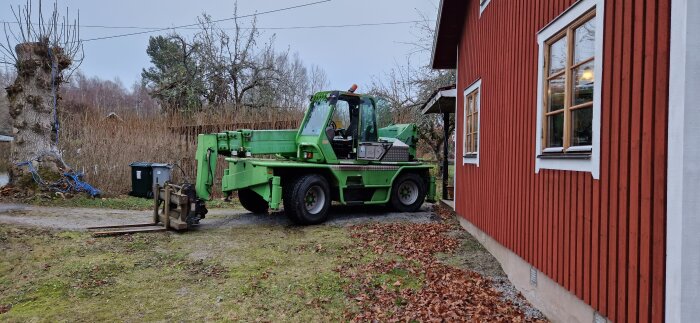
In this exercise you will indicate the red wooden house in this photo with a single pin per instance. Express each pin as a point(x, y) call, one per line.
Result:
point(578, 149)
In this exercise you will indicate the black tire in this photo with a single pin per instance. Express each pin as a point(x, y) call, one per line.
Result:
point(287, 191)
point(252, 201)
point(408, 192)
point(307, 199)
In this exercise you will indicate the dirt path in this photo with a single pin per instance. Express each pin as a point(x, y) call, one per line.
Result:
point(82, 218)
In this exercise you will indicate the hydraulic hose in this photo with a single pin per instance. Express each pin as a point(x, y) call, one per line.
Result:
point(210, 182)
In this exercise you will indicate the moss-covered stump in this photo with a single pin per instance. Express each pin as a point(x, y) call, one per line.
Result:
point(31, 105)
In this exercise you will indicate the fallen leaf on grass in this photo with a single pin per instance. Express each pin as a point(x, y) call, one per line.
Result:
point(447, 294)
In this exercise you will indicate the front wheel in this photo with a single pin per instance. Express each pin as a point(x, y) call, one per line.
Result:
point(408, 192)
point(308, 200)
point(252, 201)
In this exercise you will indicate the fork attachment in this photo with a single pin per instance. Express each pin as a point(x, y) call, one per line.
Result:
point(175, 207)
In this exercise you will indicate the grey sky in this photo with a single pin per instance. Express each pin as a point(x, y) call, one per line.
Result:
point(349, 55)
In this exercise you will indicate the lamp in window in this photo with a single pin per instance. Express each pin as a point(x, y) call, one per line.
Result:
point(587, 75)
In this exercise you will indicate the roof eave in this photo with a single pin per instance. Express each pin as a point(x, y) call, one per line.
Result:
point(435, 36)
point(441, 101)
point(447, 34)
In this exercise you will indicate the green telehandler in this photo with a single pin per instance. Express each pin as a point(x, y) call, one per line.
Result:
point(337, 154)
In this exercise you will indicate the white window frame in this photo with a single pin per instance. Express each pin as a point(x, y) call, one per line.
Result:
point(576, 11)
point(482, 6)
point(476, 86)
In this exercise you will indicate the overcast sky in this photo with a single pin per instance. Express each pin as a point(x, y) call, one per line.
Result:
point(348, 55)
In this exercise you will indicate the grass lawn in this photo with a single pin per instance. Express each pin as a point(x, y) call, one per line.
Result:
point(274, 274)
point(263, 272)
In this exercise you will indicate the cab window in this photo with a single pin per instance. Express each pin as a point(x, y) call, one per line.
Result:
point(316, 120)
point(368, 122)
point(341, 114)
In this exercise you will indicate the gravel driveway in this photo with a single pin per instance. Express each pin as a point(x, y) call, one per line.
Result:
point(82, 218)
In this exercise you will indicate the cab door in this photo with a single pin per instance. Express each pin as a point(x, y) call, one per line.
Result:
point(368, 147)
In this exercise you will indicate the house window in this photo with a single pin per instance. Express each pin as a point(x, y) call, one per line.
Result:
point(470, 125)
point(568, 122)
point(569, 86)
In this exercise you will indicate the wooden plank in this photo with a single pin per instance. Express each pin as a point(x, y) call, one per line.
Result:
point(579, 234)
point(532, 125)
point(587, 240)
point(615, 162)
point(508, 29)
point(606, 159)
point(596, 237)
point(660, 146)
point(645, 236)
point(521, 132)
point(557, 232)
point(562, 234)
point(146, 229)
point(540, 219)
point(635, 157)
point(121, 226)
point(518, 209)
point(537, 202)
point(555, 183)
point(624, 161)
point(539, 214)
point(571, 212)
point(549, 199)
point(573, 230)
point(567, 233)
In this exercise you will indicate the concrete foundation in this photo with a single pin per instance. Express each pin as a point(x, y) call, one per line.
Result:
point(553, 300)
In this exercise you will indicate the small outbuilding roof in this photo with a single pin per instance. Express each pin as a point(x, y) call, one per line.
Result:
point(113, 116)
point(6, 138)
point(443, 100)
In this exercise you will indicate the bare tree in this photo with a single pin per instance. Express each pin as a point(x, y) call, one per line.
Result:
point(240, 70)
point(92, 95)
point(43, 50)
point(232, 67)
point(212, 58)
point(398, 88)
point(234, 59)
point(318, 80)
point(406, 88)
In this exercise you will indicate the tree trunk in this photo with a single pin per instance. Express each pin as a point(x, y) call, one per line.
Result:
point(31, 108)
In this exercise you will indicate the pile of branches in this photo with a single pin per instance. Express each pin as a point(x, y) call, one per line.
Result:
point(67, 180)
point(446, 294)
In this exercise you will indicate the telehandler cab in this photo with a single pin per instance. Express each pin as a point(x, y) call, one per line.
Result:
point(338, 154)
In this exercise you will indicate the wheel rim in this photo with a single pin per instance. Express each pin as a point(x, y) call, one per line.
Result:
point(408, 192)
point(314, 200)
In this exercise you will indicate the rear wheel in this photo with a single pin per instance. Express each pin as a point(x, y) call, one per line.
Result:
point(307, 199)
point(252, 201)
point(408, 192)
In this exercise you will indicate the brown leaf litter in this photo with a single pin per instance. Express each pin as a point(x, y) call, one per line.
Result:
point(447, 294)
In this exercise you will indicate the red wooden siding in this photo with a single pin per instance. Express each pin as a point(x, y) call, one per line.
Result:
point(603, 240)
